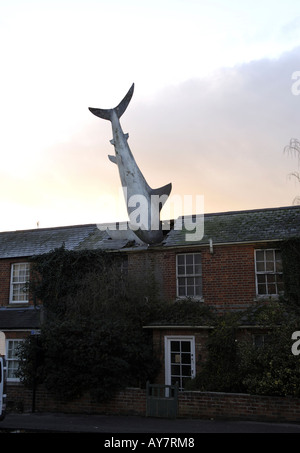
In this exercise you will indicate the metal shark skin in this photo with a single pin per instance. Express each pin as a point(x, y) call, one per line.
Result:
point(133, 182)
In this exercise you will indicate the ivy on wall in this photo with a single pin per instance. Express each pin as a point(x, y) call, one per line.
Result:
point(290, 252)
point(92, 338)
point(240, 364)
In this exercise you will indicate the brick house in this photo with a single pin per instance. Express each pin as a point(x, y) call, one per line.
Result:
point(236, 263)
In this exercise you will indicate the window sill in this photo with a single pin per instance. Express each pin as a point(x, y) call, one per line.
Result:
point(265, 297)
point(23, 302)
point(187, 298)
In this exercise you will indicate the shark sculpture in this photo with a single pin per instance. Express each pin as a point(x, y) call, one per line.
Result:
point(142, 201)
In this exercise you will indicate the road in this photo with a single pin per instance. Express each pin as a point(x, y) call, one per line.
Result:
point(76, 423)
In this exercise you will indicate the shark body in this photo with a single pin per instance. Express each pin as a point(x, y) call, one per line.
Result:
point(139, 196)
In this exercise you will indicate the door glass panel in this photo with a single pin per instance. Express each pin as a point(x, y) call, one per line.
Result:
point(175, 346)
point(185, 358)
point(186, 346)
point(175, 370)
point(186, 370)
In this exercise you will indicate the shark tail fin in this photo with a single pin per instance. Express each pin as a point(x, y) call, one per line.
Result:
point(120, 109)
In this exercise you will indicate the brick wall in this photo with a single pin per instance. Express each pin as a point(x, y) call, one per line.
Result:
point(155, 264)
point(238, 406)
point(228, 274)
point(5, 266)
point(132, 401)
point(126, 402)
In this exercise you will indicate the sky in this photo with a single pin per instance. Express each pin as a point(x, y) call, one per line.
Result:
point(216, 100)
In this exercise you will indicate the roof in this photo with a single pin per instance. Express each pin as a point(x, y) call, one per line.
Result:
point(244, 226)
point(222, 228)
point(19, 318)
point(42, 240)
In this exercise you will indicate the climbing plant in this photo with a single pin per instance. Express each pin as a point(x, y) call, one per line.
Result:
point(290, 252)
point(237, 363)
point(92, 338)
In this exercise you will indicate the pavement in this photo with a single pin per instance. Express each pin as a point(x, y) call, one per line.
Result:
point(113, 425)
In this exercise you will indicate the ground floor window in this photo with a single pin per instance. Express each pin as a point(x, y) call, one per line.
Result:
point(12, 359)
point(179, 360)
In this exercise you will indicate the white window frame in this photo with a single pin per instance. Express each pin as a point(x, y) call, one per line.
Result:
point(186, 275)
point(267, 272)
point(11, 360)
point(20, 283)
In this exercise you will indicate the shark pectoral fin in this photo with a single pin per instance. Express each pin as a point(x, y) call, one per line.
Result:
point(126, 136)
point(112, 159)
point(165, 190)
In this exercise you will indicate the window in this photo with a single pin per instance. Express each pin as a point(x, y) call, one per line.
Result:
point(12, 359)
point(259, 340)
point(19, 280)
point(189, 275)
point(268, 269)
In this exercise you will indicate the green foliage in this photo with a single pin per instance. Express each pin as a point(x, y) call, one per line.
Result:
point(58, 276)
point(236, 364)
point(92, 338)
point(31, 354)
point(101, 357)
point(271, 369)
point(220, 371)
point(290, 252)
point(185, 312)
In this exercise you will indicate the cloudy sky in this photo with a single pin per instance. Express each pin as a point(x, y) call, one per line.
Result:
point(215, 103)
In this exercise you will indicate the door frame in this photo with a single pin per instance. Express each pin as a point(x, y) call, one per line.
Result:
point(168, 339)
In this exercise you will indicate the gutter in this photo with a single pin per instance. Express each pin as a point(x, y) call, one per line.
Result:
point(196, 244)
point(177, 327)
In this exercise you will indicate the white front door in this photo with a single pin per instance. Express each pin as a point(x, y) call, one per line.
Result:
point(2, 387)
point(179, 359)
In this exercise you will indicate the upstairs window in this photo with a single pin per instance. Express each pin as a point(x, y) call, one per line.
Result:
point(189, 275)
point(18, 283)
point(268, 270)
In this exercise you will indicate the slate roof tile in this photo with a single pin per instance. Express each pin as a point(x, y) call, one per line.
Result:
point(19, 318)
point(223, 228)
point(244, 226)
point(25, 243)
